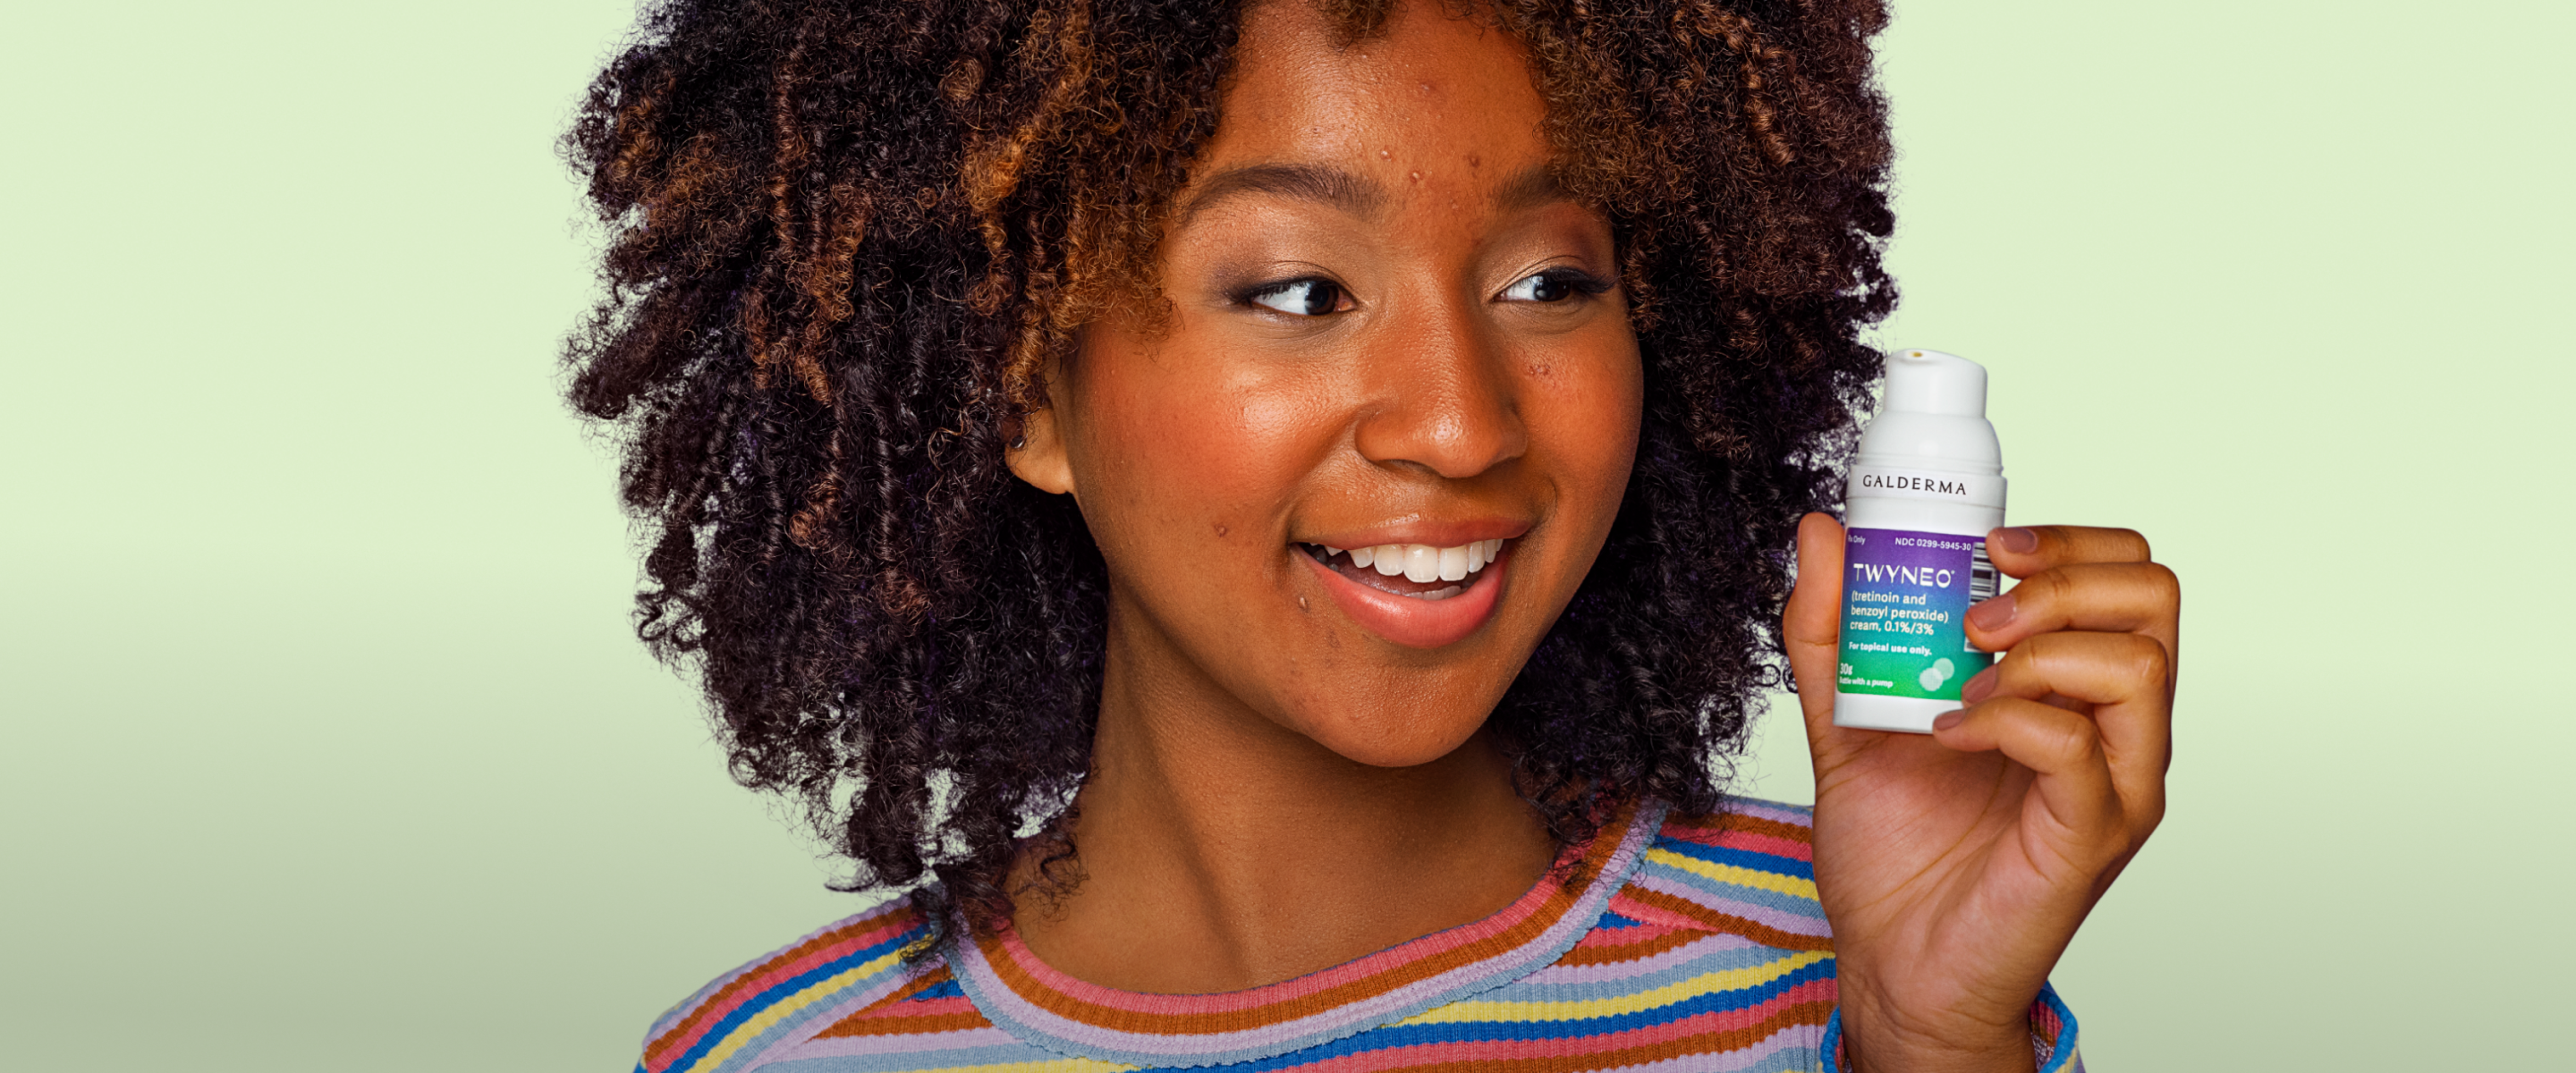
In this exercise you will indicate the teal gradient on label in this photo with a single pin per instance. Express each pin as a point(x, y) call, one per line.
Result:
point(1905, 594)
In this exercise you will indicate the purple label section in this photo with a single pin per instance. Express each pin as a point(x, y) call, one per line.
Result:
point(1905, 596)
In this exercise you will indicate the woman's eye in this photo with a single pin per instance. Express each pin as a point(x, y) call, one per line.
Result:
point(1544, 287)
point(1304, 297)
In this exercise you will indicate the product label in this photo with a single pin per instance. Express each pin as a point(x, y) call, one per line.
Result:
point(1905, 598)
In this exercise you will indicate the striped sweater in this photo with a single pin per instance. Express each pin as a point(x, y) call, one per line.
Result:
point(1671, 943)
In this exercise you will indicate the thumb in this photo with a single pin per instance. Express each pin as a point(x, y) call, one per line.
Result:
point(1811, 629)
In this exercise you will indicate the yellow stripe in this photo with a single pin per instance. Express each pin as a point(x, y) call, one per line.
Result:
point(743, 1034)
point(1727, 980)
point(1742, 877)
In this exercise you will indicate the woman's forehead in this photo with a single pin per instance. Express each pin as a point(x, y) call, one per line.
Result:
point(1434, 102)
point(1291, 62)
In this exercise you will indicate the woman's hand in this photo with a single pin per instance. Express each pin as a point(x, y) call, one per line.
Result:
point(1955, 867)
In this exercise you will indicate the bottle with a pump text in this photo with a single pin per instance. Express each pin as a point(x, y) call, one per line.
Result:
point(1926, 488)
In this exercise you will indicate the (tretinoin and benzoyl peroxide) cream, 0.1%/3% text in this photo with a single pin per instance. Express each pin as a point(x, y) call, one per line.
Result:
point(1925, 489)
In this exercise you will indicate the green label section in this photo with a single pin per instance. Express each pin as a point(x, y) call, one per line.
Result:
point(1904, 598)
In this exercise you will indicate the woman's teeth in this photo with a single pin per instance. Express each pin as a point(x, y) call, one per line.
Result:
point(1422, 563)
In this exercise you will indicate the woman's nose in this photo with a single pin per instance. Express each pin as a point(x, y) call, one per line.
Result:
point(1440, 399)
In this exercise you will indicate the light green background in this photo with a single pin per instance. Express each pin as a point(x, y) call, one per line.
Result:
point(324, 744)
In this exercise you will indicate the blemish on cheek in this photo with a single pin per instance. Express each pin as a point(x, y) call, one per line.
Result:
point(1386, 154)
point(1416, 176)
point(1475, 161)
point(1220, 529)
point(1301, 606)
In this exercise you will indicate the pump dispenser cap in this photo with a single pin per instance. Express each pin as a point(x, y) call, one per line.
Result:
point(1933, 417)
point(1931, 382)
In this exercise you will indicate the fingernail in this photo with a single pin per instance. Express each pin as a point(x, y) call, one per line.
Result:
point(1977, 686)
point(1948, 719)
point(1993, 614)
point(2018, 539)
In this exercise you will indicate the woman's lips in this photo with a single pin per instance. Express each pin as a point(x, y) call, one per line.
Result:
point(1431, 613)
point(1421, 570)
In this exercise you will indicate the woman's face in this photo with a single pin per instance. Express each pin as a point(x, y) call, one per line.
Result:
point(1392, 338)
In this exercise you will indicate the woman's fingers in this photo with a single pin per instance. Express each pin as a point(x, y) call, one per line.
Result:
point(2123, 678)
point(2123, 597)
point(1812, 625)
point(2023, 550)
point(2065, 750)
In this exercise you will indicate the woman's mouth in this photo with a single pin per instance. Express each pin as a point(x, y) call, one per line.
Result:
point(1415, 595)
point(1419, 571)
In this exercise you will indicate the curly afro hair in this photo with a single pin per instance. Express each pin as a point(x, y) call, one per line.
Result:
point(843, 236)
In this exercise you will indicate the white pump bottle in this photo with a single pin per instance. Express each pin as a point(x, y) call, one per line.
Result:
point(1926, 488)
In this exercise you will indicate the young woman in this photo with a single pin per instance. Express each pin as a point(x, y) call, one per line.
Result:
point(1266, 522)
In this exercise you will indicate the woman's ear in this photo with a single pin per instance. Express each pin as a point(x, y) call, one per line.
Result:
point(1036, 453)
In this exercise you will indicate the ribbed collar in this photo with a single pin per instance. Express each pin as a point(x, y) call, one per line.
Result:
point(1048, 1009)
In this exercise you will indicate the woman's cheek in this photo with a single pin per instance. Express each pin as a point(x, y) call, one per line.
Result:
point(1199, 452)
point(1593, 399)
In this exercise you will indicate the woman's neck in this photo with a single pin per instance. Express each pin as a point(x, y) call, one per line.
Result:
point(1219, 850)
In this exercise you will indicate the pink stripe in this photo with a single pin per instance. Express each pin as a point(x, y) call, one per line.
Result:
point(761, 980)
point(1600, 937)
point(2045, 1020)
point(1773, 845)
point(1655, 915)
point(1772, 810)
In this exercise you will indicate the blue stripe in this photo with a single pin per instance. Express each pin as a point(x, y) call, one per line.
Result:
point(1742, 858)
point(2058, 1060)
point(770, 997)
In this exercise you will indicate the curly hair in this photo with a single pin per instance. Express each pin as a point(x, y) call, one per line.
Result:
point(842, 238)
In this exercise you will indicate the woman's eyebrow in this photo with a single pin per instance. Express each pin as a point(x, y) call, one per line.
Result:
point(1536, 185)
point(1305, 182)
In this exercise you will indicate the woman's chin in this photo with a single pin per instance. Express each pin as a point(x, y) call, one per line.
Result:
point(1396, 734)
